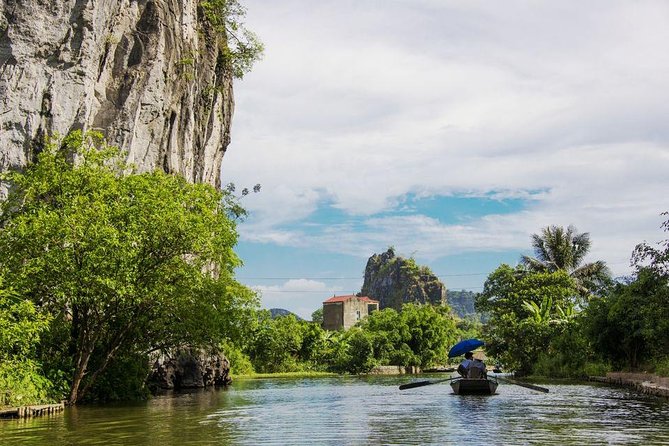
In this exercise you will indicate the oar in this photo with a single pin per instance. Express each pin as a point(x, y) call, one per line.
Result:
point(529, 386)
point(424, 383)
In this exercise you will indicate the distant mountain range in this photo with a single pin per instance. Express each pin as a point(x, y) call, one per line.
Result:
point(280, 312)
point(462, 302)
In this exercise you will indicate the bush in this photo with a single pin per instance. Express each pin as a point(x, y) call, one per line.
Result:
point(22, 380)
point(360, 352)
point(240, 364)
point(661, 366)
point(23, 383)
point(596, 368)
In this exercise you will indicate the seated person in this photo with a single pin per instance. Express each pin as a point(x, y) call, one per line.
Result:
point(477, 369)
point(463, 368)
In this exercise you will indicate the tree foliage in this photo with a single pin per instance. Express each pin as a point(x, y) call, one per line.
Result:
point(276, 343)
point(22, 380)
point(630, 326)
point(526, 309)
point(123, 261)
point(538, 326)
point(418, 336)
point(557, 248)
point(317, 316)
point(240, 47)
point(655, 259)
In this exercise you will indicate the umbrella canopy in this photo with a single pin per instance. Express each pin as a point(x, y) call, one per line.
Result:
point(464, 346)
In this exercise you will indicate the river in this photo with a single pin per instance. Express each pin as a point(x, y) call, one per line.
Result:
point(357, 411)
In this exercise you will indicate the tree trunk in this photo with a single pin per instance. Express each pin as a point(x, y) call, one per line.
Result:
point(113, 348)
point(79, 373)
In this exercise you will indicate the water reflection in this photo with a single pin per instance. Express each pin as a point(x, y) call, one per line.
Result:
point(352, 411)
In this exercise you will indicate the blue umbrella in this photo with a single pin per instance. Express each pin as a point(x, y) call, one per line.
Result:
point(465, 346)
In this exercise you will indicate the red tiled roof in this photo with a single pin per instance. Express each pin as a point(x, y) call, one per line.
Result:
point(334, 299)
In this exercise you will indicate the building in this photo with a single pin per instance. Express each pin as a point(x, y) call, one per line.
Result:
point(345, 311)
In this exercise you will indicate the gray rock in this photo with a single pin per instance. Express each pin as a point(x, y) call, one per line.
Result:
point(190, 369)
point(394, 281)
point(146, 73)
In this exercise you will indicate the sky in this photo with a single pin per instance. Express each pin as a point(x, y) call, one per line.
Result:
point(450, 130)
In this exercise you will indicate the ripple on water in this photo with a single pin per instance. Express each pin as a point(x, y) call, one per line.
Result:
point(350, 411)
point(353, 412)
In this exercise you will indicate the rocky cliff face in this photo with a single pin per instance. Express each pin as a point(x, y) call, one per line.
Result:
point(189, 369)
point(147, 73)
point(394, 281)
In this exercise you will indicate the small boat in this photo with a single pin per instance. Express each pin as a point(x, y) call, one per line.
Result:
point(474, 386)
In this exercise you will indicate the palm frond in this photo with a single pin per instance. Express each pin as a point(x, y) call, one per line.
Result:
point(534, 264)
point(592, 271)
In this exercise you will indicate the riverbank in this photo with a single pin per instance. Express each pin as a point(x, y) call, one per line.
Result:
point(31, 411)
point(285, 375)
point(646, 383)
point(378, 370)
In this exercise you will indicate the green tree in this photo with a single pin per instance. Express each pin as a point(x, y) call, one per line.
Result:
point(557, 248)
point(568, 353)
point(631, 324)
point(469, 327)
point(240, 47)
point(388, 334)
point(317, 316)
point(314, 343)
point(334, 355)
point(417, 336)
point(431, 330)
point(22, 380)
point(276, 343)
point(654, 259)
point(359, 354)
point(123, 261)
point(523, 307)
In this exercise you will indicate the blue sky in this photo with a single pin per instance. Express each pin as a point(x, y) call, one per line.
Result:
point(450, 130)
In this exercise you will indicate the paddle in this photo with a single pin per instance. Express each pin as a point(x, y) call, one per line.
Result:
point(529, 386)
point(425, 383)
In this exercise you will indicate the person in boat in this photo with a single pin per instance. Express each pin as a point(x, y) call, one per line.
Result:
point(463, 368)
point(477, 369)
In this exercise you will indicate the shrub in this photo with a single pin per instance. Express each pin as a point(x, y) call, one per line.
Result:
point(23, 383)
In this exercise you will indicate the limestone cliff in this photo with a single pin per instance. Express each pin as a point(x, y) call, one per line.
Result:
point(147, 73)
point(188, 368)
point(394, 281)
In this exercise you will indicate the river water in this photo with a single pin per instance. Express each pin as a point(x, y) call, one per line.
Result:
point(358, 411)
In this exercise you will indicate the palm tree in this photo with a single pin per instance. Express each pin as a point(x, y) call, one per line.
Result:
point(557, 248)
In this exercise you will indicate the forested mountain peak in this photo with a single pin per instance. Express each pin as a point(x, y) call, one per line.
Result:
point(395, 280)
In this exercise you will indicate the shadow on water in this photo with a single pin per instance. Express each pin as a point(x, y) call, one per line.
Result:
point(349, 410)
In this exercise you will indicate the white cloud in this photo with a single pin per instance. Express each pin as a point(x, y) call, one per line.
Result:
point(359, 105)
point(301, 296)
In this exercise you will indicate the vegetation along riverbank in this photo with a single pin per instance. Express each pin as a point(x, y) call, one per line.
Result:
point(117, 261)
point(132, 276)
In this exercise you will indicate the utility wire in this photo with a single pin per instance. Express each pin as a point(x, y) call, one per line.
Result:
point(343, 291)
point(348, 278)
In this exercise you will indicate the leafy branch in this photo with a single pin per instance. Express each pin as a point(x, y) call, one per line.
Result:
point(240, 47)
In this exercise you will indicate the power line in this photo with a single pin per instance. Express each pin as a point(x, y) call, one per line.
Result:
point(349, 278)
point(343, 291)
point(298, 278)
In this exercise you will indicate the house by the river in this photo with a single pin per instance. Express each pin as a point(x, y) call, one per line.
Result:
point(345, 311)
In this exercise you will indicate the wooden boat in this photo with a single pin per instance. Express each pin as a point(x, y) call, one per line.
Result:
point(474, 386)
